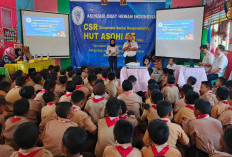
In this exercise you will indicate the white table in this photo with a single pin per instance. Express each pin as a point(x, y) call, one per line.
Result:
point(182, 73)
point(141, 74)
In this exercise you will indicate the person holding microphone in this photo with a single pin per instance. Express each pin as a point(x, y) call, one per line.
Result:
point(130, 47)
point(112, 52)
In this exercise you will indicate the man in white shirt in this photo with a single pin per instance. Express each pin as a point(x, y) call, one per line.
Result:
point(208, 58)
point(130, 47)
point(219, 64)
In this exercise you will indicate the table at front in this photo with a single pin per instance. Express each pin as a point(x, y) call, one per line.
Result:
point(182, 73)
point(39, 66)
point(141, 74)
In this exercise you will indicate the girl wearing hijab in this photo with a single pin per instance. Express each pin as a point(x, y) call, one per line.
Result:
point(112, 52)
point(10, 56)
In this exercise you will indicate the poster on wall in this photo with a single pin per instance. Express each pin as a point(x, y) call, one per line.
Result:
point(10, 35)
point(93, 25)
point(1, 38)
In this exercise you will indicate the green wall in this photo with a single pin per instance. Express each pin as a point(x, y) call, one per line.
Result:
point(63, 6)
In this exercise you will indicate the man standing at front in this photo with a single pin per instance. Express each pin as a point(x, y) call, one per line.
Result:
point(219, 64)
point(130, 47)
point(208, 58)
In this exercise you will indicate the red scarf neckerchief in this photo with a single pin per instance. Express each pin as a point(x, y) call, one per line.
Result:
point(110, 122)
point(63, 85)
point(105, 79)
point(16, 87)
point(166, 121)
point(190, 107)
point(75, 108)
point(128, 93)
point(79, 86)
point(225, 102)
point(194, 87)
point(161, 153)
point(165, 74)
point(63, 121)
point(230, 108)
point(124, 151)
point(154, 106)
point(43, 91)
point(15, 119)
point(68, 94)
point(170, 85)
point(50, 103)
point(211, 92)
point(202, 116)
point(97, 100)
point(31, 154)
point(123, 116)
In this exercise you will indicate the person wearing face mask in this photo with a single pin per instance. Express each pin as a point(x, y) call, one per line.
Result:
point(112, 51)
point(130, 47)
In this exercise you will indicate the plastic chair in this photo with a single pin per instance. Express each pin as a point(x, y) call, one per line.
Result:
point(214, 81)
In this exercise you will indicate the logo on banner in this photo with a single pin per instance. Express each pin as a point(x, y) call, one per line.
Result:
point(78, 15)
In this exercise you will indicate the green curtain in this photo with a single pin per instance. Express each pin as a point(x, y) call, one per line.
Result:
point(64, 7)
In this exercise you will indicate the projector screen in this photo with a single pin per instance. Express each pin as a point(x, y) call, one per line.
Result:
point(179, 32)
point(46, 33)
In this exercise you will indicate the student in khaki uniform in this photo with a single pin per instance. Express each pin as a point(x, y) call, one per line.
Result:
point(49, 85)
point(159, 133)
point(95, 106)
point(5, 150)
point(226, 141)
point(4, 88)
point(163, 79)
point(54, 129)
point(84, 72)
point(81, 118)
point(219, 83)
point(203, 130)
point(106, 126)
point(2, 110)
point(48, 112)
point(79, 86)
point(170, 91)
point(165, 112)
point(181, 103)
point(127, 115)
point(222, 96)
point(123, 132)
point(132, 79)
point(38, 83)
point(111, 85)
point(74, 140)
point(192, 81)
point(60, 87)
point(151, 87)
point(20, 109)
point(91, 81)
point(226, 117)
point(13, 95)
point(14, 76)
point(228, 84)
point(28, 93)
point(31, 75)
point(186, 113)
point(133, 101)
point(70, 87)
point(207, 93)
point(26, 136)
point(150, 112)
point(71, 74)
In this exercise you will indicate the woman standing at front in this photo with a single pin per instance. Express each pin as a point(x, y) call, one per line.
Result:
point(112, 52)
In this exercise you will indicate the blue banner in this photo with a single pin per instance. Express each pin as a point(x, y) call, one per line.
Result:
point(93, 25)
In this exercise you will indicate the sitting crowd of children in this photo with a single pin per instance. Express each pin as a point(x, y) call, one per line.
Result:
point(87, 113)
